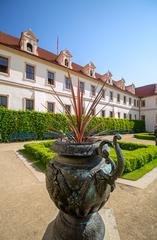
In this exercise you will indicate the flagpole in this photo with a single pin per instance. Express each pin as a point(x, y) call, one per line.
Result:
point(57, 45)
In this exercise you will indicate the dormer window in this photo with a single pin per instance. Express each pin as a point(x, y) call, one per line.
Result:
point(66, 63)
point(64, 59)
point(29, 47)
point(89, 70)
point(28, 42)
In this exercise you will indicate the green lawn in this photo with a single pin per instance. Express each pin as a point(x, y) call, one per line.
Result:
point(138, 173)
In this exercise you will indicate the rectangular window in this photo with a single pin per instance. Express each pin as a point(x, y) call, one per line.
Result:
point(3, 101)
point(118, 114)
point(67, 83)
point(50, 107)
point(111, 114)
point(93, 90)
point(93, 112)
point(103, 93)
point(3, 64)
point(82, 87)
point(137, 103)
point(135, 116)
point(68, 108)
point(143, 117)
point(130, 116)
point(134, 102)
point(130, 101)
point(124, 99)
point(111, 96)
point(50, 78)
point(29, 104)
point(124, 115)
point(30, 72)
point(118, 97)
point(103, 113)
point(143, 103)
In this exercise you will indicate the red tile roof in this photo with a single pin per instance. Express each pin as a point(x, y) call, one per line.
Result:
point(14, 42)
point(146, 91)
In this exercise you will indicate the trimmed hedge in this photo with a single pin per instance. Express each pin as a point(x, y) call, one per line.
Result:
point(116, 124)
point(37, 124)
point(145, 136)
point(40, 151)
point(135, 155)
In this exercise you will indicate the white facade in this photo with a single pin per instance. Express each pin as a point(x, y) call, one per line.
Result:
point(17, 88)
point(148, 112)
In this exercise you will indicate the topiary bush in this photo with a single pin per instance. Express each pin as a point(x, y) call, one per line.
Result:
point(40, 151)
point(136, 155)
point(37, 123)
point(145, 136)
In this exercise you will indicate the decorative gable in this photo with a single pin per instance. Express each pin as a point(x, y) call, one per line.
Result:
point(121, 84)
point(131, 88)
point(64, 59)
point(28, 42)
point(89, 69)
point(107, 77)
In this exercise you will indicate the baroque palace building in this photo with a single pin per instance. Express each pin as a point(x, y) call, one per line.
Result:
point(27, 73)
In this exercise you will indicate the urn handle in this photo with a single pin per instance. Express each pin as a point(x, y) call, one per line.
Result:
point(120, 159)
point(104, 151)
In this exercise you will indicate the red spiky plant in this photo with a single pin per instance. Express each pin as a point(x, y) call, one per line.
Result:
point(83, 116)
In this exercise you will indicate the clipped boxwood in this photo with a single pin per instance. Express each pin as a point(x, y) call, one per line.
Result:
point(40, 151)
point(136, 155)
point(20, 123)
point(145, 136)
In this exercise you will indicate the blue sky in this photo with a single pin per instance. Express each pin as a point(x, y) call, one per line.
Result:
point(117, 35)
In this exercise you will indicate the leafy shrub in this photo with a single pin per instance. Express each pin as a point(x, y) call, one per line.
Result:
point(136, 155)
point(131, 146)
point(13, 122)
point(145, 136)
point(40, 151)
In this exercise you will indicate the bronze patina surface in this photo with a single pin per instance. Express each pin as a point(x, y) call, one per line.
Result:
point(79, 181)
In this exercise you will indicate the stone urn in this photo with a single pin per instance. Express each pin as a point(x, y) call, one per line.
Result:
point(79, 181)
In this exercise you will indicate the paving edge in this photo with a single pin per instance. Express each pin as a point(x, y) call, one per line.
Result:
point(108, 217)
point(35, 170)
point(142, 183)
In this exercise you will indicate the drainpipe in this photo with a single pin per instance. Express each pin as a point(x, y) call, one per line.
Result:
point(139, 108)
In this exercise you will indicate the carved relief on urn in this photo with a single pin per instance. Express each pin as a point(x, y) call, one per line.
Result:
point(79, 181)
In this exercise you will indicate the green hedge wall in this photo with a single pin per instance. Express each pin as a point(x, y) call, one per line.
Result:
point(101, 124)
point(37, 122)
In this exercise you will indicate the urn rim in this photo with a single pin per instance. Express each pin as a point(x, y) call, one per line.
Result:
point(84, 149)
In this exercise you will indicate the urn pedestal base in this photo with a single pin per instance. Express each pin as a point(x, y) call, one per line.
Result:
point(66, 227)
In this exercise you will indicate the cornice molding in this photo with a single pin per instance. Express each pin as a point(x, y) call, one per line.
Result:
point(25, 86)
point(65, 69)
